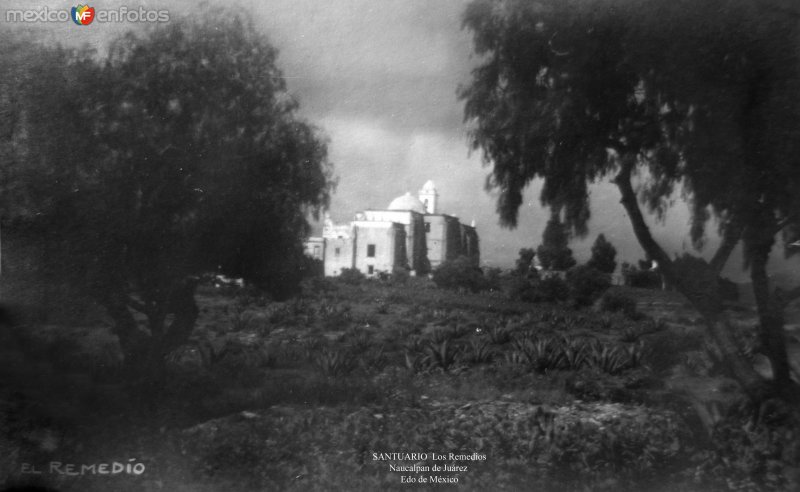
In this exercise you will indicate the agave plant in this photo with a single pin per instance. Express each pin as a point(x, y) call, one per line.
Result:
point(440, 355)
point(441, 335)
point(635, 355)
point(498, 334)
point(461, 330)
point(240, 319)
point(605, 322)
point(413, 343)
point(573, 353)
point(405, 328)
point(517, 358)
point(630, 335)
point(374, 361)
point(334, 363)
point(359, 340)
point(310, 346)
point(480, 352)
point(608, 359)
point(542, 354)
point(525, 335)
point(415, 362)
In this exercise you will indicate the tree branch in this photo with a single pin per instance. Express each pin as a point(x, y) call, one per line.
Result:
point(729, 241)
point(137, 305)
point(640, 229)
point(784, 222)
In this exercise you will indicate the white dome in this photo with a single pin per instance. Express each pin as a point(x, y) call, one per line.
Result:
point(428, 187)
point(407, 202)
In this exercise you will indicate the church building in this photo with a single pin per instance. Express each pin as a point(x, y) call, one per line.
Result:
point(410, 233)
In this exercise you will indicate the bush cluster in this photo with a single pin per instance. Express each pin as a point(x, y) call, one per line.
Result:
point(352, 276)
point(616, 302)
point(532, 288)
point(586, 284)
point(461, 273)
point(638, 277)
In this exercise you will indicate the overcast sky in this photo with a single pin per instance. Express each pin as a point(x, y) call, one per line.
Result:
point(379, 77)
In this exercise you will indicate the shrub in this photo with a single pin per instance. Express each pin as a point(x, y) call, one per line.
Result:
point(617, 302)
point(535, 289)
point(586, 284)
point(551, 289)
point(319, 285)
point(521, 288)
point(400, 276)
point(493, 277)
point(352, 276)
point(638, 277)
point(461, 273)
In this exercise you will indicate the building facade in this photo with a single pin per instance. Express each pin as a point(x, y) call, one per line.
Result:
point(409, 234)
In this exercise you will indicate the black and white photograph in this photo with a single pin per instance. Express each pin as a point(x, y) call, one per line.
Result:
point(367, 245)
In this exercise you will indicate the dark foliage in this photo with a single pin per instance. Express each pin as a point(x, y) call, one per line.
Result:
point(535, 289)
point(728, 289)
point(615, 302)
point(312, 268)
point(553, 252)
point(569, 92)
point(603, 255)
point(352, 276)
point(586, 284)
point(400, 276)
point(525, 261)
point(461, 273)
point(184, 160)
point(636, 277)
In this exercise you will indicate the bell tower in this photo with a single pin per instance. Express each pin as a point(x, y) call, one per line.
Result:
point(429, 196)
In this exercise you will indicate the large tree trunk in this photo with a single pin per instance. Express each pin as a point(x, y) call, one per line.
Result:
point(771, 334)
point(698, 285)
point(144, 352)
point(184, 308)
point(134, 342)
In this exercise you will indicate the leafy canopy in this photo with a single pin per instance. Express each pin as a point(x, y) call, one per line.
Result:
point(697, 95)
point(179, 152)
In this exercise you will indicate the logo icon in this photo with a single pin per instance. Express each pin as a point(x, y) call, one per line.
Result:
point(83, 15)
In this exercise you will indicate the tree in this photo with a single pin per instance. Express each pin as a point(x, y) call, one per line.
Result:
point(553, 252)
point(603, 255)
point(658, 93)
point(525, 261)
point(178, 153)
